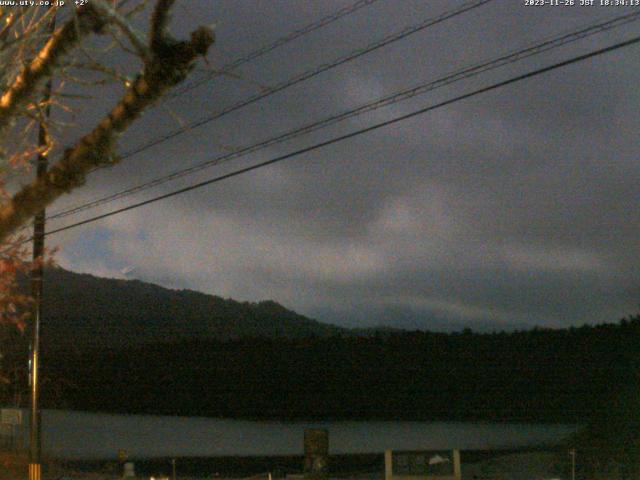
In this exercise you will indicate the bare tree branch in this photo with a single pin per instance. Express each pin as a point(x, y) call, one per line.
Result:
point(138, 43)
point(63, 40)
point(159, 24)
point(169, 63)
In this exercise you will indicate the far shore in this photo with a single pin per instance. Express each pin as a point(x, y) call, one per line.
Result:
point(476, 465)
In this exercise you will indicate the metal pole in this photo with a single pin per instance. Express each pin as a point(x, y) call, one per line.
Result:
point(572, 453)
point(35, 470)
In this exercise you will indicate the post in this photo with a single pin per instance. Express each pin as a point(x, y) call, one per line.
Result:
point(36, 292)
point(122, 458)
point(129, 470)
point(316, 453)
point(388, 464)
point(572, 454)
point(457, 469)
point(35, 469)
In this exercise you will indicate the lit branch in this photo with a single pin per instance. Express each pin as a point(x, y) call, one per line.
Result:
point(168, 64)
point(60, 43)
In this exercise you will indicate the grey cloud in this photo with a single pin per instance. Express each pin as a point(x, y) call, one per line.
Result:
point(515, 207)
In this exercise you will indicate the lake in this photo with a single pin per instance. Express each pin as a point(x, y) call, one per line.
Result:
point(81, 435)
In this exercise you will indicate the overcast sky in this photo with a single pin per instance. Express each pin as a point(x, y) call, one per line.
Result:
point(515, 207)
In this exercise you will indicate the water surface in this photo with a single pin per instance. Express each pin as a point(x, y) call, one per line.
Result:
point(80, 435)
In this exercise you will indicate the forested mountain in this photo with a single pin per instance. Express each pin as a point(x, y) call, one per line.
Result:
point(90, 311)
point(127, 346)
point(565, 375)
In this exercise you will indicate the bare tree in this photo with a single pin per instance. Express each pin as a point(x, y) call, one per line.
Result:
point(29, 54)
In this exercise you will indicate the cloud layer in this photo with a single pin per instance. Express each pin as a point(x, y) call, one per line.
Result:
point(517, 207)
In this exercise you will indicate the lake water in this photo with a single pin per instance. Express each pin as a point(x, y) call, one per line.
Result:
point(79, 435)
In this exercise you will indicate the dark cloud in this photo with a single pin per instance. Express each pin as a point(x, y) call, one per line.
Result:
point(515, 207)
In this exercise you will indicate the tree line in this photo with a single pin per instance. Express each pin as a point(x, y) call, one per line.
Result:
point(557, 375)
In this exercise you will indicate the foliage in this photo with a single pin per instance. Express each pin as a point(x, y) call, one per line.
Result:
point(564, 375)
point(609, 445)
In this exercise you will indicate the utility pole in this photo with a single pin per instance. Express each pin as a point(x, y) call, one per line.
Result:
point(35, 469)
point(572, 454)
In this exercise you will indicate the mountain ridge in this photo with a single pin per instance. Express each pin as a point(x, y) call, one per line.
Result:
point(84, 310)
point(97, 311)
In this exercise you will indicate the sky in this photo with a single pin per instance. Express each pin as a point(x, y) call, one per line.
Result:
point(510, 209)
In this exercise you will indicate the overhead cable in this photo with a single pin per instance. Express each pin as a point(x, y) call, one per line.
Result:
point(238, 62)
point(404, 33)
point(456, 76)
point(356, 133)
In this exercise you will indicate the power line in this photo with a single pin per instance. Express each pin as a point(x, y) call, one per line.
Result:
point(341, 138)
point(313, 73)
point(458, 75)
point(323, 22)
point(318, 70)
point(310, 74)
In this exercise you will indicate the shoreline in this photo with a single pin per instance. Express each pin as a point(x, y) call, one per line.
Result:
point(225, 467)
point(77, 436)
point(336, 419)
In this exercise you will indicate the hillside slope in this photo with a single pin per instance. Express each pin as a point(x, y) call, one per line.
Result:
point(88, 310)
